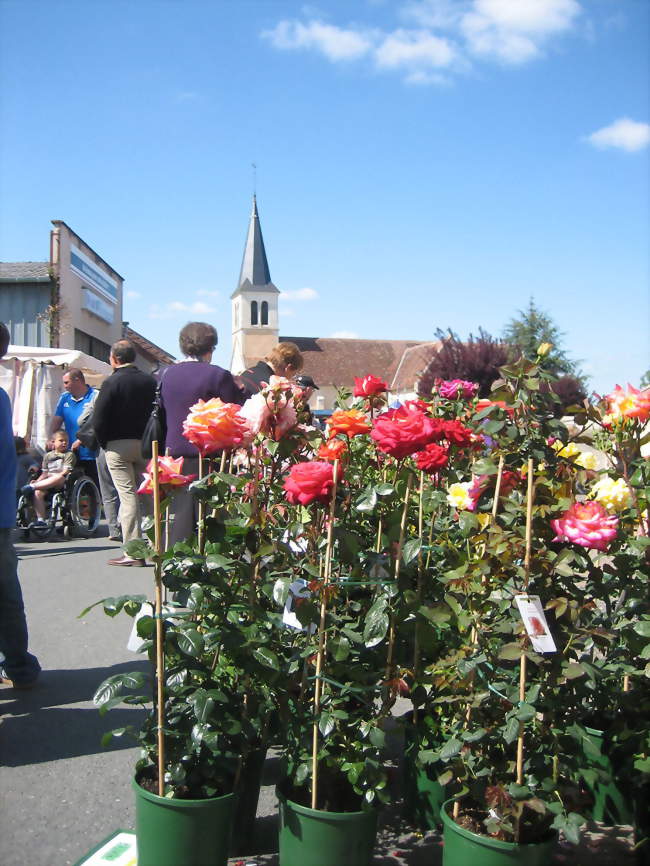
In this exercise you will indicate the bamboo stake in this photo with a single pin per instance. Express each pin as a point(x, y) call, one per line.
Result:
point(380, 522)
point(474, 634)
point(222, 465)
point(522, 660)
point(497, 489)
point(416, 641)
point(160, 658)
point(201, 533)
point(398, 562)
point(321, 640)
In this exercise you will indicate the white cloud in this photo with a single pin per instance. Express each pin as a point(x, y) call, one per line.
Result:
point(515, 32)
point(450, 34)
point(336, 43)
point(413, 49)
point(132, 296)
point(443, 14)
point(305, 294)
point(624, 133)
point(344, 335)
point(173, 308)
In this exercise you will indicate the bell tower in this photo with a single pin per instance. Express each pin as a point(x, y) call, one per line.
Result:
point(254, 303)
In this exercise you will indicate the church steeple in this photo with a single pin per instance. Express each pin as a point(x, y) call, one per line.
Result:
point(254, 266)
point(254, 302)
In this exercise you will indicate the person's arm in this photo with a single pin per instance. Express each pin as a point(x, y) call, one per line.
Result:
point(233, 391)
point(101, 413)
point(56, 422)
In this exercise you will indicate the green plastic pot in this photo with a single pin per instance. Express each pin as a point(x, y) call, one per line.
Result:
point(171, 832)
point(423, 794)
point(462, 847)
point(310, 837)
point(611, 806)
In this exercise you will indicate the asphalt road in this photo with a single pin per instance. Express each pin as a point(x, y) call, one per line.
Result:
point(61, 793)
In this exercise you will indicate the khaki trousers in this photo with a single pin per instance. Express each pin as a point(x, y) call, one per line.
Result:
point(126, 465)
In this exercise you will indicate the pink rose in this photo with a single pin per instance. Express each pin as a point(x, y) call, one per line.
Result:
point(587, 524)
point(403, 431)
point(455, 389)
point(310, 482)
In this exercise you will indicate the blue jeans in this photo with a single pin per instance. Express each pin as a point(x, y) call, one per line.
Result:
point(19, 665)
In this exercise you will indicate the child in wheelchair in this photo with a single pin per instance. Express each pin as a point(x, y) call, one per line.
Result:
point(57, 465)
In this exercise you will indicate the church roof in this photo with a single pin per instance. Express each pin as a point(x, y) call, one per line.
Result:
point(336, 361)
point(254, 267)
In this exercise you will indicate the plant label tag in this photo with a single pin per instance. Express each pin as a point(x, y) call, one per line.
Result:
point(297, 590)
point(532, 614)
point(135, 641)
point(118, 850)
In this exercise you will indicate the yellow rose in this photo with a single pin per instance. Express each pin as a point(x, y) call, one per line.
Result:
point(586, 460)
point(458, 495)
point(614, 495)
point(569, 452)
point(543, 349)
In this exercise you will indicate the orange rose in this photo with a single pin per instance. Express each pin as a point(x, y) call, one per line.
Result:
point(633, 403)
point(170, 471)
point(332, 450)
point(213, 425)
point(352, 422)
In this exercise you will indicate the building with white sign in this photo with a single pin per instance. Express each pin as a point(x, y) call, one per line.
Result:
point(72, 301)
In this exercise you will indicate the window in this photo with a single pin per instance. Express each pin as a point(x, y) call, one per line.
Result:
point(265, 313)
point(91, 346)
point(253, 312)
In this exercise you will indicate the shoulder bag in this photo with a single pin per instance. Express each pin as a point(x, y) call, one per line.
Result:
point(156, 427)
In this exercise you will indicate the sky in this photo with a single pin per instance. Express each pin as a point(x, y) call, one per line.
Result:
point(421, 164)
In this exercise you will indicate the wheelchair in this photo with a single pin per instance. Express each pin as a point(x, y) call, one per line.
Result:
point(77, 507)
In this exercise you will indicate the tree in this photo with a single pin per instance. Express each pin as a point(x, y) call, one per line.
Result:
point(477, 359)
point(529, 330)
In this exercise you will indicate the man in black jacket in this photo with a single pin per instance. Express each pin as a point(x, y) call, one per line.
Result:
point(120, 415)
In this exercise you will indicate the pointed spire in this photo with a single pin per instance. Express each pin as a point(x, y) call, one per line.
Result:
point(254, 266)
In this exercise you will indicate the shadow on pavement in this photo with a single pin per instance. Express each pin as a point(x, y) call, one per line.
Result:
point(38, 727)
point(63, 551)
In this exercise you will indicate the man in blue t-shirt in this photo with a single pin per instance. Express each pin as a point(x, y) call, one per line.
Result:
point(70, 406)
point(19, 667)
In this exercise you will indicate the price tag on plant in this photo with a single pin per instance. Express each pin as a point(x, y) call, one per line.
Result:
point(532, 614)
point(297, 590)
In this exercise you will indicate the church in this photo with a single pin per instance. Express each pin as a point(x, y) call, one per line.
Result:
point(331, 362)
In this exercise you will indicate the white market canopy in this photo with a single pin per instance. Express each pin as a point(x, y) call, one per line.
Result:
point(33, 378)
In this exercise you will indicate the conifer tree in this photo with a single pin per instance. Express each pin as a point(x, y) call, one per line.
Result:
point(532, 327)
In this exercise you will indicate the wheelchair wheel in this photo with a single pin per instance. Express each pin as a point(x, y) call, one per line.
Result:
point(25, 518)
point(83, 508)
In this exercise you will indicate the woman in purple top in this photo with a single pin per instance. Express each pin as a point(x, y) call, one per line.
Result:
point(183, 385)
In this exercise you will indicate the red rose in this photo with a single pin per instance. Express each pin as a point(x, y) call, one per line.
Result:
point(369, 386)
point(403, 431)
point(457, 434)
point(433, 457)
point(309, 482)
point(509, 480)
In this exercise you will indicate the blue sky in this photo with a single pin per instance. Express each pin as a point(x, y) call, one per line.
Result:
point(421, 163)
